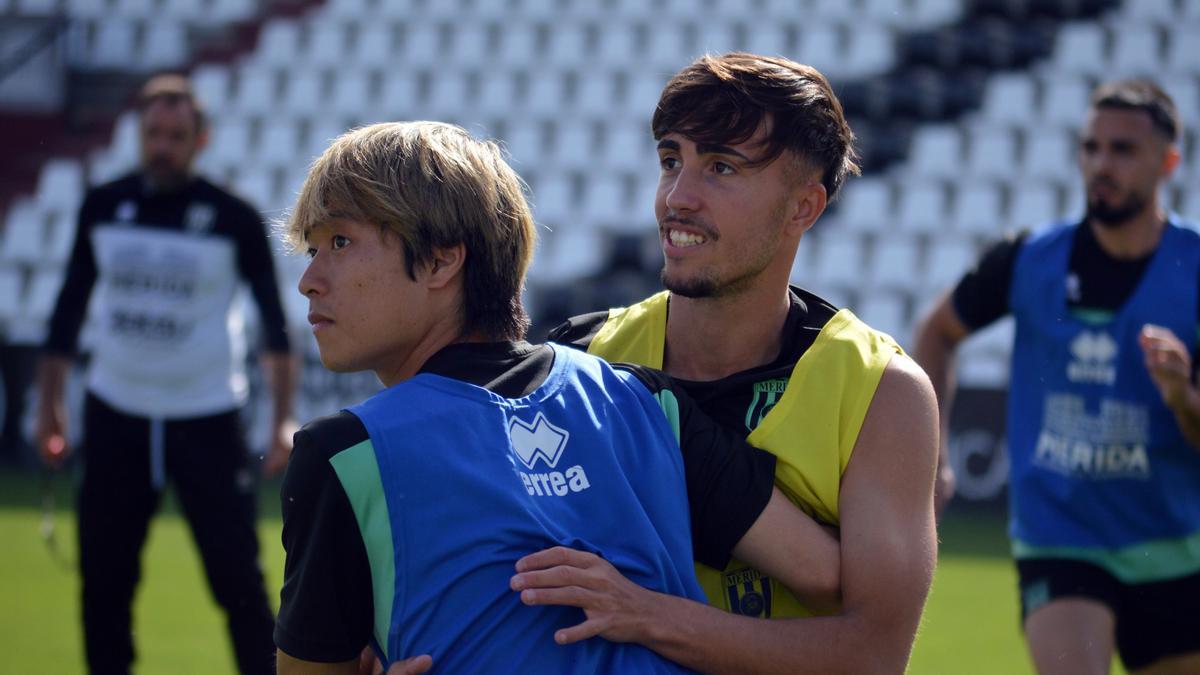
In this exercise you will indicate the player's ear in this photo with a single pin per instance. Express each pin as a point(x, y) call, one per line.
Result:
point(808, 203)
point(444, 265)
point(1171, 159)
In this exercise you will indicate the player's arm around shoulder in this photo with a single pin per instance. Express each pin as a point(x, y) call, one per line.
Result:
point(889, 537)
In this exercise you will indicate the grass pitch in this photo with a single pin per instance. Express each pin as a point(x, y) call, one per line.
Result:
point(970, 624)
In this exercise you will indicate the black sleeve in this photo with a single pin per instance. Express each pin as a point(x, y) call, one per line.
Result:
point(578, 331)
point(70, 308)
point(729, 481)
point(326, 608)
point(981, 296)
point(257, 267)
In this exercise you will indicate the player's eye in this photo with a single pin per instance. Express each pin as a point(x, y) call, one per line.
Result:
point(340, 241)
point(668, 163)
point(311, 253)
point(723, 168)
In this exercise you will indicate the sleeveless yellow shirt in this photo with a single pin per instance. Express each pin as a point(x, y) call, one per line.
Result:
point(812, 428)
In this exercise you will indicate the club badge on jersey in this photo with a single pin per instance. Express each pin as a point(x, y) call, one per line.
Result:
point(766, 394)
point(748, 592)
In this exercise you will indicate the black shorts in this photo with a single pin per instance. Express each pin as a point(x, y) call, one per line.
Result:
point(1153, 619)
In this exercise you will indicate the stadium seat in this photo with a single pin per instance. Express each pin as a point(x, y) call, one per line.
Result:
point(222, 11)
point(277, 143)
point(304, 93)
point(886, 312)
point(1163, 11)
point(518, 44)
point(820, 45)
point(1031, 205)
point(554, 200)
point(422, 45)
point(595, 92)
point(922, 207)
point(992, 152)
point(1064, 100)
point(24, 230)
point(163, 46)
point(211, 85)
point(351, 94)
point(60, 185)
point(526, 141)
point(628, 148)
point(1080, 49)
point(604, 201)
point(1048, 153)
point(771, 40)
point(86, 9)
point(278, 43)
point(837, 260)
point(257, 186)
point(35, 8)
point(1184, 90)
point(546, 93)
point(870, 50)
point(468, 45)
point(949, 258)
point(257, 92)
point(399, 94)
point(113, 44)
point(568, 46)
point(448, 93)
point(1010, 99)
point(937, 151)
point(716, 38)
point(865, 204)
point(894, 264)
point(1136, 51)
point(977, 208)
point(326, 45)
point(573, 145)
point(1182, 55)
point(228, 141)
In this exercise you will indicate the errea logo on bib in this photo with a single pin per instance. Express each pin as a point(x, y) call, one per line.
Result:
point(1093, 356)
point(541, 441)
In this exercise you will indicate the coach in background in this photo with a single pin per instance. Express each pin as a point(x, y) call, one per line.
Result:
point(1103, 412)
point(164, 250)
point(750, 149)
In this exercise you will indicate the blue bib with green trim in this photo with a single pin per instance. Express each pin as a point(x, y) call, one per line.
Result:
point(1098, 464)
point(474, 481)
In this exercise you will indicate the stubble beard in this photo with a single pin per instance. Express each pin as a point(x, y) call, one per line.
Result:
point(1115, 216)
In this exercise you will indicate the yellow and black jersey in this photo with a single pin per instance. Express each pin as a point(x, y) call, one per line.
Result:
point(806, 407)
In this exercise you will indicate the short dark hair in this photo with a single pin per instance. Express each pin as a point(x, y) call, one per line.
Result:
point(724, 99)
point(1145, 96)
point(172, 90)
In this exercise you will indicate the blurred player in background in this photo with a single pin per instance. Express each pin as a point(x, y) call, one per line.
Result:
point(164, 250)
point(1103, 411)
point(404, 515)
point(751, 150)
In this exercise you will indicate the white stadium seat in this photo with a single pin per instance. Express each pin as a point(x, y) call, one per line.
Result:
point(866, 204)
point(894, 265)
point(837, 259)
point(1080, 49)
point(922, 207)
point(937, 151)
point(977, 207)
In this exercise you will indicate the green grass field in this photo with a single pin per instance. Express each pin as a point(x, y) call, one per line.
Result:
point(970, 624)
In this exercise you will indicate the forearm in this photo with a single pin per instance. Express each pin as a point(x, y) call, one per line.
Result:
point(280, 371)
point(52, 377)
point(1187, 415)
point(289, 665)
point(707, 639)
